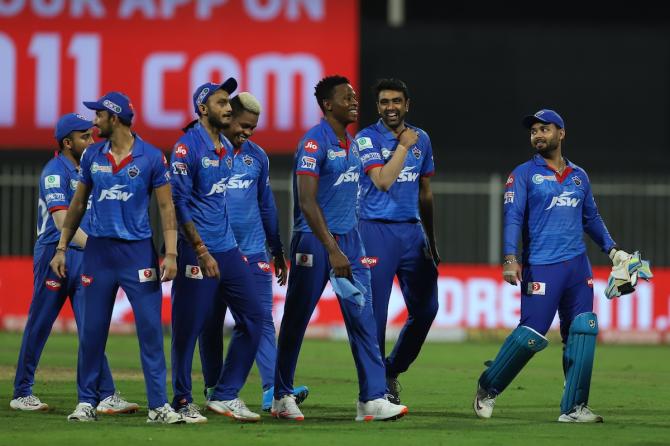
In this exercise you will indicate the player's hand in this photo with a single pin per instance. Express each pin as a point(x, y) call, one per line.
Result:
point(57, 264)
point(168, 268)
point(281, 271)
point(340, 263)
point(408, 137)
point(209, 266)
point(512, 273)
point(618, 256)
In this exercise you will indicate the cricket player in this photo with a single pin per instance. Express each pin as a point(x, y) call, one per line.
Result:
point(253, 218)
point(211, 268)
point(119, 175)
point(58, 182)
point(396, 224)
point(548, 202)
point(326, 245)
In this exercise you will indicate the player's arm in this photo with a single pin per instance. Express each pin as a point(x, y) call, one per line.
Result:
point(426, 213)
point(69, 227)
point(268, 211)
point(308, 187)
point(383, 177)
point(169, 224)
point(79, 238)
point(514, 208)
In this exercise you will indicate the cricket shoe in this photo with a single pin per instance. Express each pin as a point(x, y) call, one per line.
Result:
point(83, 412)
point(191, 414)
point(483, 403)
point(301, 393)
point(380, 409)
point(234, 409)
point(28, 403)
point(394, 388)
point(580, 414)
point(286, 408)
point(114, 404)
point(165, 414)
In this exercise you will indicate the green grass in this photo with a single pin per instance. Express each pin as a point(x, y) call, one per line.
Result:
point(629, 389)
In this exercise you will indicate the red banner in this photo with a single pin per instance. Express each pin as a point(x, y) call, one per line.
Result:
point(55, 54)
point(470, 298)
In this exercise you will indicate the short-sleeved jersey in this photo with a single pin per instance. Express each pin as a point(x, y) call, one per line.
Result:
point(551, 212)
point(376, 145)
point(58, 182)
point(120, 194)
point(199, 181)
point(251, 205)
point(337, 168)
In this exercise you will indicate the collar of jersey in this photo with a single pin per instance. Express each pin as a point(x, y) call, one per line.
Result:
point(330, 134)
point(540, 161)
point(387, 133)
point(202, 133)
point(136, 150)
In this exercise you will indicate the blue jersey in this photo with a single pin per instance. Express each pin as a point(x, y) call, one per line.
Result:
point(552, 212)
point(120, 194)
point(58, 183)
point(199, 177)
point(251, 205)
point(337, 168)
point(377, 144)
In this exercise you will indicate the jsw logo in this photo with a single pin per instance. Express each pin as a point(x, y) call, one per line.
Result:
point(219, 187)
point(406, 175)
point(115, 193)
point(236, 182)
point(350, 176)
point(564, 200)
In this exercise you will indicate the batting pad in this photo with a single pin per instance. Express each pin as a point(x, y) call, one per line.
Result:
point(579, 360)
point(514, 354)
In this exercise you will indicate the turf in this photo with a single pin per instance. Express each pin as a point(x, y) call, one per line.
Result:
point(629, 389)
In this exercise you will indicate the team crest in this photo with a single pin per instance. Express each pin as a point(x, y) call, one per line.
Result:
point(577, 180)
point(133, 171)
point(416, 152)
point(229, 162)
point(248, 160)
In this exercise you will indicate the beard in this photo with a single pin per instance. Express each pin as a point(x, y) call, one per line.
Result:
point(217, 122)
point(549, 146)
point(104, 133)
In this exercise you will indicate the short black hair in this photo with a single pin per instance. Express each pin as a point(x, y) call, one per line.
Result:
point(326, 87)
point(390, 84)
point(61, 146)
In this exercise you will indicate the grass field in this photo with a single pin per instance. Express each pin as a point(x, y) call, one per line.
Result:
point(629, 389)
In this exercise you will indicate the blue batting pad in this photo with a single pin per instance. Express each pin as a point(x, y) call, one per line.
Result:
point(514, 354)
point(579, 356)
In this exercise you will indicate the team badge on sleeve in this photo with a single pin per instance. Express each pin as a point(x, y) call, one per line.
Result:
point(147, 275)
point(311, 146)
point(179, 168)
point(51, 181)
point(193, 272)
point(302, 259)
point(509, 197)
point(537, 288)
point(307, 162)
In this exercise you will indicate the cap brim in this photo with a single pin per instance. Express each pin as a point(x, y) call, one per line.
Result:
point(94, 105)
point(229, 85)
point(529, 120)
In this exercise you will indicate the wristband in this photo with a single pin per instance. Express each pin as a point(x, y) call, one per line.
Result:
point(510, 261)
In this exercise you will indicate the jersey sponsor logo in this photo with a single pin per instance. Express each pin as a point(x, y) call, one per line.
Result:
point(201, 96)
point(577, 181)
point(51, 181)
point(95, 167)
point(53, 285)
point(307, 162)
point(73, 184)
point(364, 143)
point(193, 272)
point(54, 196)
point(219, 187)
point(181, 151)
point(350, 176)
point(147, 274)
point(115, 193)
point(264, 266)
point(564, 200)
point(179, 168)
point(236, 182)
point(371, 156)
point(302, 259)
point(332, 154)
point(133, 171)
point(116, 108)
point(416, 152)
point(311, 146)
point(369, 262)
point(508, 197)
point(248, 160)
point(206, 162)
point(538, 179)
point(406, 175)
point(86, 280)
point(537, 288)
point(510, 180)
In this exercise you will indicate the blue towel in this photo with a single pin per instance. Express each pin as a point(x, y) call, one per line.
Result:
point(346, 289)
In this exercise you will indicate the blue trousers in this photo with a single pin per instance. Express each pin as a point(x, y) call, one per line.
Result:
point(133, 265)
point(195, 300)
point(309, 273)
point(401, 249)
point(211, 339)
point(49, 296)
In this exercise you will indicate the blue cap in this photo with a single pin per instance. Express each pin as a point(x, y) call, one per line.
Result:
point(114, 102)
point(206, 90)
point(545, 116)
point(72, 122)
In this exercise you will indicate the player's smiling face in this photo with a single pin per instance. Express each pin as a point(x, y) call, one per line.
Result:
point(344, 104)
point(545, 137)
point(218, 109)
point(392, 107)
point(242, 127)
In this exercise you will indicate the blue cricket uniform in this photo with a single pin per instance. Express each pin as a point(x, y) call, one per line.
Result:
point(58, 182)
point(253, 218)
point(337, 168)
point(395, 242)
point(119, 252)
point(199, 182)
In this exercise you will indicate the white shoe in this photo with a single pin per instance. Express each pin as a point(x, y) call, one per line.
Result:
point(165, 414)
point(114, 404)
point(286, 408)
point(83, 412)
point(484, 403)
point(30, 403)
point(191, 414)
point(380, 409)
point(233, 408)
point(580, 414)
